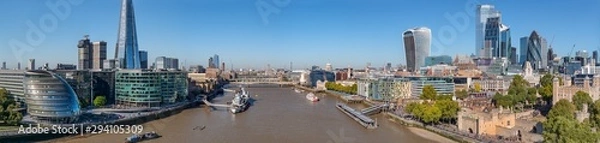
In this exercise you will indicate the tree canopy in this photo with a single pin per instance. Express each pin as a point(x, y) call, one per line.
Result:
point(562, 126)
point(581, 98)
point(439, 107)
point(477, 87)
point(595, 114)
point(461, 94)
point(341, 88)
point(100, 101)
point(562, 108)
point(7, 109)
point(428, 93)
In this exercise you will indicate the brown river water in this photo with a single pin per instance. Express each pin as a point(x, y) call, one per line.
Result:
point(277, 115)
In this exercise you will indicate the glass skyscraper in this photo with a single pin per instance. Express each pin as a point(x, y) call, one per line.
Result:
point(523, 53)
point(483, 13)
point(497, 38)
point(534, 50)
point(127, 47)
point(417, 43)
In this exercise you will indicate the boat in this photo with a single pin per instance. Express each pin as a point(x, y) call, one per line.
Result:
point(141, 137)
point(312, 97)
point(297, 91)
point(240, 102)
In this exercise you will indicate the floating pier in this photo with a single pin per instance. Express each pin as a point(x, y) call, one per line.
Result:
point(357, 116)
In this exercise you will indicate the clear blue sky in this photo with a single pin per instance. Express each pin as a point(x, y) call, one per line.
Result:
point(305, 32)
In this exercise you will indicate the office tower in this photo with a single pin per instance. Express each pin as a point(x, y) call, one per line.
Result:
point(497, 38)
point(417, 44)
point(85, 53)
point(216, 61)
point(223, 66)
point(534, 53)
point(513, 56)
point(60, 66)
point(594, 55)
point(143, 59)
point(3, 65)
point(19, 66)
point(109, 64)
point(581, 56)
point(523, 53)
point(31, 64)
point(544, 52)
point(388, 67)
point(483, 13)
point(165, 63)
point(211, 63)
point(126, 49)
point(99, 54)
point(328, 67)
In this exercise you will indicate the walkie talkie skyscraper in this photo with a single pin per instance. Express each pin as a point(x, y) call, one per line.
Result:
point(127, 47)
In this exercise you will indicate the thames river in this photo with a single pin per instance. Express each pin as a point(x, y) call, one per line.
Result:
point(277, 115)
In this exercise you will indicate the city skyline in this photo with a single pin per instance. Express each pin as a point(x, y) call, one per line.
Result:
point(303, 32)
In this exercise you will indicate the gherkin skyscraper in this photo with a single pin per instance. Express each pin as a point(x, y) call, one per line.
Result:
point(127, 47)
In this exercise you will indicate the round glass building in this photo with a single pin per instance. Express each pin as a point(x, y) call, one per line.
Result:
point(49, 97)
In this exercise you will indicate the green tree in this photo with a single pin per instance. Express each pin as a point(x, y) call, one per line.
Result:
point(505, 101)
point(431, 114)
point(100, 101)
point(443, 97)
point(410, 107)
point(354, 88)
point(546, 92)
point(581, 98)
point(428, 93)
point(595, 114)
point(7, 109)
point(477, 87)
point(567, 130)
point(562, 108)
point(461, 94)
point(449, 108)
point(546, 80)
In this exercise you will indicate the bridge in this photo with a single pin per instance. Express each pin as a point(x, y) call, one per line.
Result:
point(259, 80)
point(216, 105)
point(374, 109)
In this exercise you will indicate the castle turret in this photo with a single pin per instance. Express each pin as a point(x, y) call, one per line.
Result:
point(555, 86)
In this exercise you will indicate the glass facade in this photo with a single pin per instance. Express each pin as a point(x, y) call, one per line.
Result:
point(483, 13)
point(443, 85)
point(321, 75)
point(497, 35)
point(149, 88)
point(143, 59)
point(523, 52)
point(48, 96)
point(417, 43)
point(534, 53)
point(12, 81)
point(434, 60)
point(127, 46)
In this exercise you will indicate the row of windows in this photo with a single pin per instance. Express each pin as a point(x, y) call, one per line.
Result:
point(42, 91)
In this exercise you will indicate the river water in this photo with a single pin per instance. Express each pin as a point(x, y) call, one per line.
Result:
point(277, 115)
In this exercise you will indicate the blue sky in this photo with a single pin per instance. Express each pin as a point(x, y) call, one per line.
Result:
point(305, 32)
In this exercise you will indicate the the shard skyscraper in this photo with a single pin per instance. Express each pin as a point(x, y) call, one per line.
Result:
point(126, 51)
